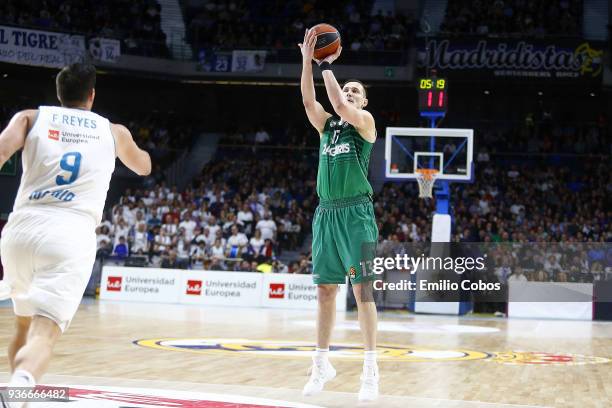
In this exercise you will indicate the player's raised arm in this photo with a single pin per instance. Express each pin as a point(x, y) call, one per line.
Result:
point(350, 106)
point(13, 137)
point(129, 153)
point(314, 110)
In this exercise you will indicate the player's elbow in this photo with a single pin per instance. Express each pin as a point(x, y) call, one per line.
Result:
point(145, 166)
point(148, 167)
point(145, 171)
point(5, 152)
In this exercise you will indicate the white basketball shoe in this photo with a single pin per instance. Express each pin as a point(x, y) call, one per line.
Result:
point(322, 372)
point(369, 384)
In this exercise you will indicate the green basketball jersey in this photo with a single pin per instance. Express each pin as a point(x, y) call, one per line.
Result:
point(343, 162)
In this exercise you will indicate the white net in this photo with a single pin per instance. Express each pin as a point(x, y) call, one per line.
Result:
point(426, 179)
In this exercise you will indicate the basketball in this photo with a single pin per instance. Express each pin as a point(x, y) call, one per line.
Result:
point(328, 40)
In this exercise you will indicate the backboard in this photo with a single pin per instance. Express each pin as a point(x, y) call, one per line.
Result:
point(447, 150)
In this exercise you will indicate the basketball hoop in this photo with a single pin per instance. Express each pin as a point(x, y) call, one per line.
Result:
point(426, 179)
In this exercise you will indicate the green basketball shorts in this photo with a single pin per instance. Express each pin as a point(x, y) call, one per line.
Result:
point(339, 230)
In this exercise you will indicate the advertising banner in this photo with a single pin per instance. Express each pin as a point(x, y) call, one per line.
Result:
point(214, 61)
point(478, 58)
point(140, 284)
point(104, 49)
point(294, 292)
point(215, 288)
point(40, 48)
point(221, 288)
point(248, 61)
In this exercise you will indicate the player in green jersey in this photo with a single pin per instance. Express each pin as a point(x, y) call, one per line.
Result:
point(344, 220)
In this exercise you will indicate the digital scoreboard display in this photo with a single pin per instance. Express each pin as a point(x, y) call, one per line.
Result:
point(433, 95)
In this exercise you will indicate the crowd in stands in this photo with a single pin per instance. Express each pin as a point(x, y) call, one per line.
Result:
point(161, 131)
point(509, 17)
point(136, 22)
point(280, 24)
point(566, 262)
point(241, 213)
point(295, 135)
point(227, 220)
point(537, 181)
point(537, 134)
point(519, 203)
point(552, 198)
point(546, 136)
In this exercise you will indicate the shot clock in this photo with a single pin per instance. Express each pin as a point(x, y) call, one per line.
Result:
point(433, 95)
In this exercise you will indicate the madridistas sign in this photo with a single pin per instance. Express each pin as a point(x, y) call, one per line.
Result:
point(563, 59)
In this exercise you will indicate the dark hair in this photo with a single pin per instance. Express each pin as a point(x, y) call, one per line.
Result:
point(365, 92)
point(74, 83)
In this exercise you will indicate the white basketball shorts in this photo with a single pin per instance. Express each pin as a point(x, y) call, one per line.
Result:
point(48, 258)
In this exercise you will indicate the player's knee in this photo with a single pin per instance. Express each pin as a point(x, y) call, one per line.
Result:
point(45, 328)
point(326, 293)
point(360, 297)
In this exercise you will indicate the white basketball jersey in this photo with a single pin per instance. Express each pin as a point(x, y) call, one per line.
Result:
point(68, 160)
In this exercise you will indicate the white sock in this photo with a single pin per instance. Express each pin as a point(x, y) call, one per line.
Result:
point(369, 361)
point(321, 354)
point(22, 378)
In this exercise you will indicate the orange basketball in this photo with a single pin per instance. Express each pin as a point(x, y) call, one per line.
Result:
point(328, 40)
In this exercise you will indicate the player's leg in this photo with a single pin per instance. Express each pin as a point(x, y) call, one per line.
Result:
point(366, 311)
point(31, 361)
point(357, 246)
point(35, 355)
point(326, 314)
point(16, 248)
point(22, 326)
point(322, 370)
point(62, 262)
point(368, 322)
point(327, 274)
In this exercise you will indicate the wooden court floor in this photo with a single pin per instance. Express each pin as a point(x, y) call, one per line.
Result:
point(425, 361)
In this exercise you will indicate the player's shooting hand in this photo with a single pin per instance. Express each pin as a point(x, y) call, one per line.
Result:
point(308, 45)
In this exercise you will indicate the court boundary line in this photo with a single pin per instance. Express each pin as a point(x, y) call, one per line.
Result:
point(255, 387)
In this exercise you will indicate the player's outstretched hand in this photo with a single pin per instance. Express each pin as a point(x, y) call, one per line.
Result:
point(308, 45)
point(330, 58)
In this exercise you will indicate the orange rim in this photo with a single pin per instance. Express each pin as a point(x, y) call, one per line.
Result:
point(428, 174)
